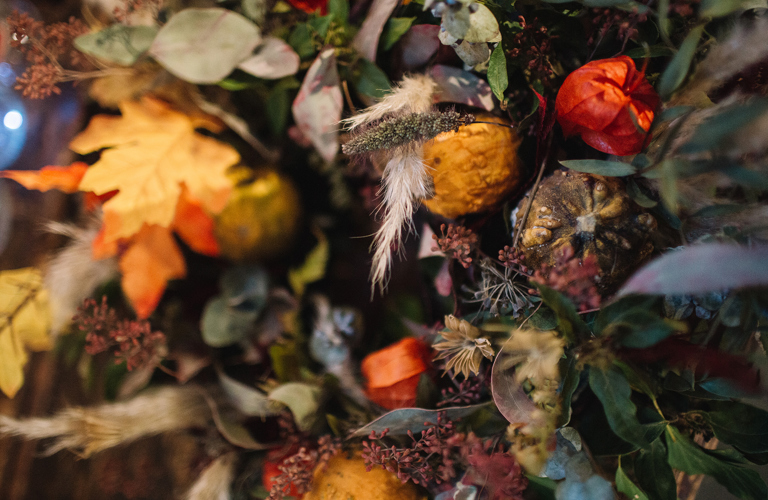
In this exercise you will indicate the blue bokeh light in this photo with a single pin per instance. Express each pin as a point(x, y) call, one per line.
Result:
point(13, 119)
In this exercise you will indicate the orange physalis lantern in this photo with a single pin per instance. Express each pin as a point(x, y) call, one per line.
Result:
point(392, 374)
point(610, 104)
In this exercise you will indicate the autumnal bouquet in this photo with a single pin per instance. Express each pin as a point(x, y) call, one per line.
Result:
point(438, 249)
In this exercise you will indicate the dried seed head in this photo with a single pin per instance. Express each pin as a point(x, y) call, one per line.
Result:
point(401, 130)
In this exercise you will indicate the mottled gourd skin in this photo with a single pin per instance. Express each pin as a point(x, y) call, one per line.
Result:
point(347, 479)
point(261, 217)
point(595, 216)
point(475, 169)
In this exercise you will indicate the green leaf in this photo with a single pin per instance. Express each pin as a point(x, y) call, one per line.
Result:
point(740, 425)
point(204, 45)
point(568, 387)
point(637, 195)
point(626, 486)
point(313, 268)
point(678, 67)
point(395, 28)
point(497, 72)
point(570, 323)
point(222, 325)
point(653, 51)
point(119, 44)
point(600, 167)
point(690, 458)
point(720, 8)
point(614, 392)
point(301, 41)
point(654, 473)
point(715, 132)
point(372, 81)
point(339, 10)
point(302, 399)
point(639, 329)
point(399, 422)
point(320, 24)
point(248, 400)
point(616, 309)
point(278, 106)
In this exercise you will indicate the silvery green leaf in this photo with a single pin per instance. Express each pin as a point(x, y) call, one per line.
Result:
point(118, 44)
point(302, 399)
point(483, 27)
point(273, 59)
point(204, 45)
point(473, 53)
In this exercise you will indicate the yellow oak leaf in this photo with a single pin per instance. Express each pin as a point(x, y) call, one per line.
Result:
point(24, 324)
point(153, 151)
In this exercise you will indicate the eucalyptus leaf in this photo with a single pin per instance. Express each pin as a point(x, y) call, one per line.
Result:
point(654, 474)
point(637, 195)
point(249, 400)
point(692, 270)
point(678, 67)
point(720, 8)
point(118, 43)
point(690, 458)
point(204, 45)
point(232, 431)
point(600, 167)
point(400, 421)
point(497, 72)
point(222, 324)
point(274, 59)
point(302, 399)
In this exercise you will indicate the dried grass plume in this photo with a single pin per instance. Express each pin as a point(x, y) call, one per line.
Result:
point(414, 94)
point(89, 430)
point(214, 483)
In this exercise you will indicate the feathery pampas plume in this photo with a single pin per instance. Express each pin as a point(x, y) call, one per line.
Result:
point(397, 126)
point(89, 430)
point(73, 274)
point(414, 94)
point(215, 480)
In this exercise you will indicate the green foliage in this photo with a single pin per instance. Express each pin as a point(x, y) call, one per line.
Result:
point(570, 323)
point(626, 486)
point(678, 68)
point(497, 72)
point(613, 391)
point(600, 167)
point(653, 472)
point(740, 425)
point(688, 457)
point(395, 28)
point(371, 80)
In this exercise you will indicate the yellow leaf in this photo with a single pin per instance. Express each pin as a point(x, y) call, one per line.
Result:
point(153, 151)
point(313, 267)
point(24, 324)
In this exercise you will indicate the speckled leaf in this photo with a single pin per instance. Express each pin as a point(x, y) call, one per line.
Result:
point(204, 45)
point(317, 108)
point(274, 59)
point(456, 85)
point(118, 44)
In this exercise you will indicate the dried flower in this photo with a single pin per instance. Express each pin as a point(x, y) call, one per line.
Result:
point(398, 131)
point(535, 353)
point(431, 458)
point(503, 291)
point(496, 471)
point(533, 51)
point(310, 6)
point(458, 243)
point(134, 341)
point(50, 51)
point(296, 472)
point(468, 391)
point(392, 374)
point(610, 104)
point(463, 346)
point(122, 14)
point(573, 277)
point(625, 23)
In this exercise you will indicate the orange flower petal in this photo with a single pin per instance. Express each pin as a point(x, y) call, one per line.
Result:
point(395, 363)
point(399, 395)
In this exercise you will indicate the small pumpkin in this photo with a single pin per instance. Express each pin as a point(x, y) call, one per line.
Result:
point(475, 169)
point(595, 216)
point(347, 479)
point(261, 217)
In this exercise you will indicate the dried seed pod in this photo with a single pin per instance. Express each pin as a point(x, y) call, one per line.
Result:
point(595, 216)
point(474, 169)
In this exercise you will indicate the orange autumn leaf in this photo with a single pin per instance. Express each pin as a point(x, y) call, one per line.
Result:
point(66, 179)
point(195, 227)
point(152, 259)
point(153, 151)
